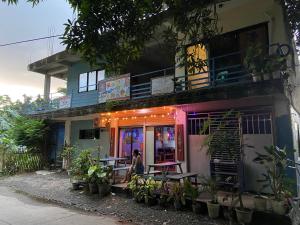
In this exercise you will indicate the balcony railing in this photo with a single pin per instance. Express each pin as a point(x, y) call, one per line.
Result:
point(222, 70)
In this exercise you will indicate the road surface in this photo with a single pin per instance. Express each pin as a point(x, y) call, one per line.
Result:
point(16, 209)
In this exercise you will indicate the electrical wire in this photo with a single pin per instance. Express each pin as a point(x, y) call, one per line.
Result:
point(30, 40)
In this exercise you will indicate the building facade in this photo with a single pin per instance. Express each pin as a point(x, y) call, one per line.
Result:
point(162, 109)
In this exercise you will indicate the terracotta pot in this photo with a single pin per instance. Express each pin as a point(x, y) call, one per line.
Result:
point(213, 210)
point(244, 216)
point(260, 203)
point(278, 207)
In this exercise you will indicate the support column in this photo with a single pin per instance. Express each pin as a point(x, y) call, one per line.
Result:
point(47, 84)
point(67, 141)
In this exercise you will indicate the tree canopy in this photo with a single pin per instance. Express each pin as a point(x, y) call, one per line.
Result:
point(111, 33)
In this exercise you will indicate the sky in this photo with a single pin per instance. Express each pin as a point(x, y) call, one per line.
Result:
point(23, 22)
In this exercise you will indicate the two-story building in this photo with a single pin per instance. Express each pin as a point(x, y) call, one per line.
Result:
point(161, 108)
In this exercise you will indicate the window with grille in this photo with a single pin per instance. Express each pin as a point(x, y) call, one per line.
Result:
point(197, 124)
point(259, 123)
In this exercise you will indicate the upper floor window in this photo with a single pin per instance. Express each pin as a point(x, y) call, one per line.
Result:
point(88, 81)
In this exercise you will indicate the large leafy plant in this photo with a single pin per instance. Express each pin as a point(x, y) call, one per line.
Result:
point(275, 161)
point(99, 174)
point(177, 194)
point(81, 165)
point(209, 185)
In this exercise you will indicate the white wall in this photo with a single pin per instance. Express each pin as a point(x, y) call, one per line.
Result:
point(198, 159)
point(149, 146)
point(253, 171)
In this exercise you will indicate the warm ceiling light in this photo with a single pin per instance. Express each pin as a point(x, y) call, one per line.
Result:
point(143, 111)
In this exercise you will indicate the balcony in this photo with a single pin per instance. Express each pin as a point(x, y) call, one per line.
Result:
point(220, 71)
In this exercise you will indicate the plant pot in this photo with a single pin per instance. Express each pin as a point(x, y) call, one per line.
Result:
point(151, 201)
point(103, 189)
point(76, 186)
point(260, 203)
point(196, 207)
point(213, 210)
point(177, 205)
point(278, 207)
point(162, 202)
point(93, 188)
point(244, 216)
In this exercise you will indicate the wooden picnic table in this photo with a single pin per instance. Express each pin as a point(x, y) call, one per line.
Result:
point(179, 177)
point(164, 166)
point(113, 159)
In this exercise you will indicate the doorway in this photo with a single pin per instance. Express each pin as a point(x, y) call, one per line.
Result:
point(129, 140)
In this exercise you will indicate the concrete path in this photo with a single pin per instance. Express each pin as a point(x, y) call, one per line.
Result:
point(16, 209)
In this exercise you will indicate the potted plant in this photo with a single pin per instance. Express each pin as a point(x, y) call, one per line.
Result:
point(192, 193)
point(213, 207)
point(150, 190)
point(244, 215)
point(92, 178)
point(275, 162)
point(177, 196)
point(66, 155)
point(163, 192)
point(260, 202)
point(79, 169)
point(103, 175)
point(260, 64)
point(136, 186)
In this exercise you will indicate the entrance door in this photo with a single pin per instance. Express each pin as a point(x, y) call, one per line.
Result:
point(164, 140)
point(129, 140)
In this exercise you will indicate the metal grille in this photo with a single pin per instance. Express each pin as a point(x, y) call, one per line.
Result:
point(196, 123)
point(257, 123)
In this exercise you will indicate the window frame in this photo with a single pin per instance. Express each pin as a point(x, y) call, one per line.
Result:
point(87, 81)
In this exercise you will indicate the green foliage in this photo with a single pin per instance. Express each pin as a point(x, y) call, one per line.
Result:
point(99, 174)
point(151, 188)
point(258, 61)
point(190, 190)
point(177, 193)
point(136, 186)
point(81, 165)
point(210, 185)
point(27, 132)
point(275, 162)
point(21, 162)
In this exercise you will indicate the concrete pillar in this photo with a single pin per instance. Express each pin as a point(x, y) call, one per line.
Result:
point(67, 141)
point(47, 85)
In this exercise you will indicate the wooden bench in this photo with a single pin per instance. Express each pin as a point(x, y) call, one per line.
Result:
point(179, 177)
point(117, 169)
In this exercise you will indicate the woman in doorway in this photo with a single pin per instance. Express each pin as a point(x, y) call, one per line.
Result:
point(137, 166)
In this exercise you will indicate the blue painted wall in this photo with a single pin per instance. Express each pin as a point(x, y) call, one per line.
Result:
point(83, 98)
point(81, 144)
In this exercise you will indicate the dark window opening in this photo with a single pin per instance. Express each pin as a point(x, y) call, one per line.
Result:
point(89, 134)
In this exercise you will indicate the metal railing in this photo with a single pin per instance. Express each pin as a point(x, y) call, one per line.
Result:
point(223, 70)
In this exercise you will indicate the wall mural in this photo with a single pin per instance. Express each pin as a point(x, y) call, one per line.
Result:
point(114, 89)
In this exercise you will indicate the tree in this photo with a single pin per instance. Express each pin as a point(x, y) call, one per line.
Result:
point(112, 33)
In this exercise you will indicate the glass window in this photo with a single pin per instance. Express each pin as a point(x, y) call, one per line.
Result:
point(92, 81)
point(83, 82)
point(164, 144)
point(100, 75)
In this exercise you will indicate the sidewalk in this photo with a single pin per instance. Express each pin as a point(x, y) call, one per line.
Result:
point(56, 188)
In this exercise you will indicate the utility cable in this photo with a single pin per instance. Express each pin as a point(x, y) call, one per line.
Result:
point(30, 40)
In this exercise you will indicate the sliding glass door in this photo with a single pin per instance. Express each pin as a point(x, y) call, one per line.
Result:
point(129, 140)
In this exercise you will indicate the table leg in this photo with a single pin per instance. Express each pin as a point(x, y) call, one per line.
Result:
point(148, 171)
point(180, 168)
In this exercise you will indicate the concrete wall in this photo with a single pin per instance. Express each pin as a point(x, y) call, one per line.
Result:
point(253, 171)
point(198, 159)
point(81, 144)
point(83, 98)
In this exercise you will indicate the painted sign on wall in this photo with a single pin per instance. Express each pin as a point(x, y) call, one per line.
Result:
point(180, 142)
point(64, 102)
point(112, 142)
point(114, 89)
point(162, 85)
